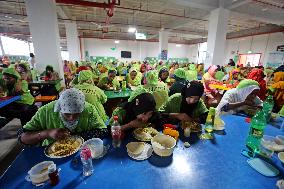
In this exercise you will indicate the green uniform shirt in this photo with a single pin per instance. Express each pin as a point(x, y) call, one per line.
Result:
point(173, 105)
point(95, 96)
point(159, 91)
point(26, 97)
point(46, 118)
point(104, 80)
point(136, 81)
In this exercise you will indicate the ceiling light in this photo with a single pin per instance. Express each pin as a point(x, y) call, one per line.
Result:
point(116, 41)
point(6, 16)
point(178, 45)
point(60, 47)
point(131, 30)
point(31, 37)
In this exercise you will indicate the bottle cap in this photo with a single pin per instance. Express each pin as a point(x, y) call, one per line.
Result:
point(115, 118)
point(51, 168)
point(86, 153)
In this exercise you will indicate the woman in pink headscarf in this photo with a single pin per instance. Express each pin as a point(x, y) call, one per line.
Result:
point(208, 77)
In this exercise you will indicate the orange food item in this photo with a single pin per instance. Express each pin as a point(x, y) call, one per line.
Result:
point(171, 132)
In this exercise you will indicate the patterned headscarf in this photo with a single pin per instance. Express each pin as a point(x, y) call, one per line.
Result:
point(212, 69)
point(71, 101)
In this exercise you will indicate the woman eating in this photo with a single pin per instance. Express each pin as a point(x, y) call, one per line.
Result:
point(50, 75)
point(109, 82)
point(240, 98)
point(232, 77)
point(12, 85)
point(137, 112)
point(258, 75)
point(187, 105)
point(133, 78)
point(70, 114)
point(93, 94)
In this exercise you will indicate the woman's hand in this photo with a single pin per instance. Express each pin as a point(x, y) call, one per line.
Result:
point(136, 123)
point(58, 133)
point(182, 117)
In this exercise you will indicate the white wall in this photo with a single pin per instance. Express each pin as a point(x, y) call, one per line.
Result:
point(139, 49)
point(257, 44)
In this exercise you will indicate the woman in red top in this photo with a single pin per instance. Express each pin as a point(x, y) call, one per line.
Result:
point(258, 75)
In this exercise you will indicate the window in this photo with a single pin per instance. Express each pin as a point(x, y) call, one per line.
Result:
point(14, 46)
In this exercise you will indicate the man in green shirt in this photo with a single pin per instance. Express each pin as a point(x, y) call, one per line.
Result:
point(70, 114)
point(12, 85)
point(187, 105)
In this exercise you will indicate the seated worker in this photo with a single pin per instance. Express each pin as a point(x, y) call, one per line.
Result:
point(133, 78)
point(93, 94)
point(258, 75)
point(232, 76)
point(24, 72)
point(157, 88)
point(137, 112)
point(109, 82)
point(70, 114)
point(12, 85)
point(187, 105)
point(180, 81)
point(191, 73)
point(240, 98)
point(164, 75)
point(50, 75)
point(278, 89)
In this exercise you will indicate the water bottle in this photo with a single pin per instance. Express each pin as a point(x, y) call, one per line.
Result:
point(258, 123)
point(86, 159)
point(116, 133)
point(210, 120)
point(267, 107)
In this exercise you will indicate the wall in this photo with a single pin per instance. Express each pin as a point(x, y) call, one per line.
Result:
point(139, 49)
point(257, 44)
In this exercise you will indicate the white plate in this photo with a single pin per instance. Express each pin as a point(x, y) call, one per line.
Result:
point(281, 156)
point(104, 152)
point(146, 153)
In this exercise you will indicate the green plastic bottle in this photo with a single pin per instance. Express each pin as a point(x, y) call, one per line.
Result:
point(210, 120)
point(258, 123)
point(267, 107)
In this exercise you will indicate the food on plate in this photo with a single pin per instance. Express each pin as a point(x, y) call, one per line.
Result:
point(135, 148)
point(64, 147)
point(194, 126)
point(145, 134)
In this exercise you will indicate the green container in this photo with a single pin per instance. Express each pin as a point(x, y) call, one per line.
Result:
point(257, 126)
point(123, 85)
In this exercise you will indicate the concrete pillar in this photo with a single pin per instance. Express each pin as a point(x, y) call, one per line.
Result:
point(42, 17)
point(217, 30)
point(1, 47)
point(163, 45)
point(73, 44)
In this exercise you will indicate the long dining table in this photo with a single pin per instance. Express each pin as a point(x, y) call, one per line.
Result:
point(206, 164)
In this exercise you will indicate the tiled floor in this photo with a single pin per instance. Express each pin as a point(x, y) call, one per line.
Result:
point(9, 147)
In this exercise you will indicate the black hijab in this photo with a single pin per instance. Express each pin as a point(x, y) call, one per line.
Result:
point(161, 72)
point(193, 88)
point(144, 102)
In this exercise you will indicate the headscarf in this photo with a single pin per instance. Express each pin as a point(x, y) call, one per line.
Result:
point(278, 76)
point(258, 75)
point(192, 67)
point(240, 93)
point(152, 77)
point(110, 71)
point(179, 73)
point(193, 88)
point(143, 65)
point(234, 71)
point(85, 75)
point(162, 70)
point(212, 69)
point(142, 103)
point(71, 101)
point(12, 72)
point(81, 68)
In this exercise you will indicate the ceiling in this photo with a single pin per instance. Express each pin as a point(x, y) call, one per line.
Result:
point(186, 20)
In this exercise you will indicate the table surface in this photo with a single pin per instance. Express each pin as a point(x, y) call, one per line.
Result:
point(121, 94)
point(206, 164)
point(42, 82)
point(8, 100)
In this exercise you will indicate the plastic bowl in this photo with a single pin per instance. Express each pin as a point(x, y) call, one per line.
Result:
point(270, 143)
point(96, 146)
point(163, 145)
point(135, 148)
point(279, 139)
point(39, 173)
point(281, 156)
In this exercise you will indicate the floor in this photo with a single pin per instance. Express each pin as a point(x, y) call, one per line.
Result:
point(9, 147)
